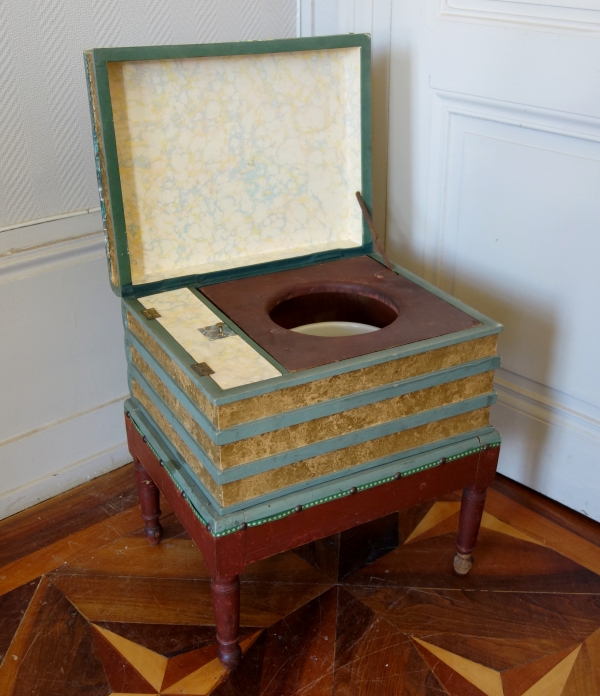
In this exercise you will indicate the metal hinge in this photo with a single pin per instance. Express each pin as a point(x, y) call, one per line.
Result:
point(216, 331)
point(150, 313)
point(203, 369)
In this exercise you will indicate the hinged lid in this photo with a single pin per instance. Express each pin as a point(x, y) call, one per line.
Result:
point(220, 161)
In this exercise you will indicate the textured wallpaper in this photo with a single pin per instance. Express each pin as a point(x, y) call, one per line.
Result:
point(46, 156)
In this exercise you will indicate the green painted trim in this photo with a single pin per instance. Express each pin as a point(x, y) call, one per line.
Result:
point(176, 352)
point(197, 449)
point(491, 438)
point(102, 56)
point(184, 479)
point(354, 475)
point(196, 413)
point(89, 78)
point(259, 466)
point(230, 48)
point(133, 415)
point(255, 515)
point(307, 413)
point(113, 177)
point(493, 326)
point(364, 398)
point(220, 396)
point(242, 272)
point(408, 470)
point(347, 492)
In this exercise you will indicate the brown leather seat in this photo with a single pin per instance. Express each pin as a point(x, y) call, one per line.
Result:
point(358, 289)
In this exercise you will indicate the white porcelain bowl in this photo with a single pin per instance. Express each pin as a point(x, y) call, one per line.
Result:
point(335, 328)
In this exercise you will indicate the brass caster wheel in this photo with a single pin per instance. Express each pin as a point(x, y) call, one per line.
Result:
point(463, 563)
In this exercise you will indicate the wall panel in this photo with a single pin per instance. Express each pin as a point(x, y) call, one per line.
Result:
point(567, 14)
point(374, 17)
point(514, 233)
point(493, 195)
point(62, 361)
point(46, 136)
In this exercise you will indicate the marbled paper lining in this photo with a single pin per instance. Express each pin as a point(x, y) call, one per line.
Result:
point(235, 362)
point(229, 161)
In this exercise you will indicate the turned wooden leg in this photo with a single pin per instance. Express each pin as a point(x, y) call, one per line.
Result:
point(150, 503)
point(471, 511)
point(226, 602)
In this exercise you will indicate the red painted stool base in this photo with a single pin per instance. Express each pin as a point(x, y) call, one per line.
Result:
point(227, 556)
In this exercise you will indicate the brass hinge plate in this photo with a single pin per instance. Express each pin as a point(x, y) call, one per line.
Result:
point(203, 369)
point(216, 331)
point(150, 313)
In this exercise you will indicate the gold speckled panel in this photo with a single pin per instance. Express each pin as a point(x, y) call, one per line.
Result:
point(353, 382)
point(234, 361)
point(230, 161)
point(291, 398)
point(182, 380)
point(356, 454)
point(185, 418)
point(179, 444)
point(318, 429)
point(321, 465)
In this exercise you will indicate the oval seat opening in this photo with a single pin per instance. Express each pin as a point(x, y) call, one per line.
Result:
point(333, 311)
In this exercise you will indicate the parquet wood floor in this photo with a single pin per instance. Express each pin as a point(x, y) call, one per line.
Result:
point(88, 608)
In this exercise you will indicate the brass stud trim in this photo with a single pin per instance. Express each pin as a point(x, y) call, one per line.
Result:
point(320, 501)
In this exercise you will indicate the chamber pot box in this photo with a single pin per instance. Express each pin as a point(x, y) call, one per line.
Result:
point(272, 353)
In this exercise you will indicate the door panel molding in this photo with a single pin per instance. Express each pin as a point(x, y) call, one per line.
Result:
point(566, 14)
point(447, 107)
point(456, 120)
point(495, 200)
point(374, 17)
point(578, 418)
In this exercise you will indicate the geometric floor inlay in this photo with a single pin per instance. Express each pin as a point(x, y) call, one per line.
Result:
point(129, 664)
point(92, 610)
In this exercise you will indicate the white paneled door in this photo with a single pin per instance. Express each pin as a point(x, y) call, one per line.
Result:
point(487, 129)
point(494, 195)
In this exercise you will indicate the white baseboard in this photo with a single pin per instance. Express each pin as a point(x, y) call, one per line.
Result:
point(569, 414)
point(550, 443)
point(54, 459)
point(63, 376)
point(62, 480)
point(24, 263)
point(42, 233)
